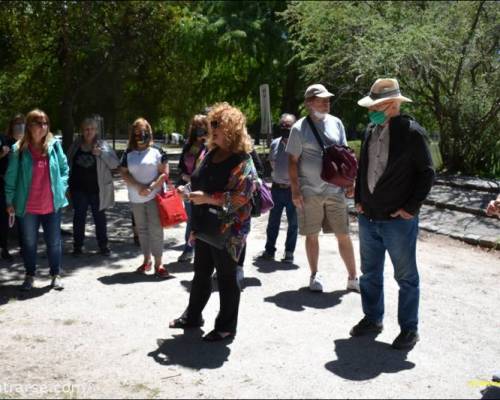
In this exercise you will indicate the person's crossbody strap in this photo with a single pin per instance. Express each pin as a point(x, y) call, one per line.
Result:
point(316, 133)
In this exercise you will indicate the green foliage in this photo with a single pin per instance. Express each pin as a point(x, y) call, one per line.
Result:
point(168, 60)
point(445, 55)
point(122, 59)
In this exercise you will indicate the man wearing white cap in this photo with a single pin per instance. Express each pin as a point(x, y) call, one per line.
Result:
point(320, 205)
point(394, 177)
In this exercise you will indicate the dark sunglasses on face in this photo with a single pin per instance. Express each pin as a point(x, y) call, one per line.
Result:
point(214, 124)
point(41, 124)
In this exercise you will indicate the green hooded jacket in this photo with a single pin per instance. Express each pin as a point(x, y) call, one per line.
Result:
point(19, 172)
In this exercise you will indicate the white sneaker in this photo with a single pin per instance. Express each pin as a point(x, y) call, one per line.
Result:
point(353, 284)
point(315, 284)
point(240, 275)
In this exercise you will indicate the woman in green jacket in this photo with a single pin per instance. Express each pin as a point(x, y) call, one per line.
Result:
point(35, 191)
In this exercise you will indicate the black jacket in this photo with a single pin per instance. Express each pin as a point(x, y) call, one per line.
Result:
point(409, 174)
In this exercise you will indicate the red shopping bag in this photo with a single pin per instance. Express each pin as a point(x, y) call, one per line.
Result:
point(170, 207)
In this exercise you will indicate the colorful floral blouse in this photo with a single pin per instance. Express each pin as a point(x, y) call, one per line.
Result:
point(237, 204)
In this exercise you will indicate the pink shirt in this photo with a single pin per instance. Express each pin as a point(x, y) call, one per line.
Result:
point(40, 198)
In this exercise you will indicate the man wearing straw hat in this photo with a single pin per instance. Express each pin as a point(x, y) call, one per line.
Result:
point(394, 177)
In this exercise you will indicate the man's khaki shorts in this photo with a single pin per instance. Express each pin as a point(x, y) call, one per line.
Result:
point(327, 212)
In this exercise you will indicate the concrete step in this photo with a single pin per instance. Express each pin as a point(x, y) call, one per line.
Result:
point(459, 199)
point(474, 229)
point(469, 182)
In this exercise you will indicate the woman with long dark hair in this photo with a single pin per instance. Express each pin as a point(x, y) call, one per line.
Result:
point(192, 154)
point(15, 132)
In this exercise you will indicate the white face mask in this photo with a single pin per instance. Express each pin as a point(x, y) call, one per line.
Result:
point(319, 115)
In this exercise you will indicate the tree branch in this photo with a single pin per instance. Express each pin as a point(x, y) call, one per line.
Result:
point(458, 74)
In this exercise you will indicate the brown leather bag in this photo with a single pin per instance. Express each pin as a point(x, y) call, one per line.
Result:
point(340, 165)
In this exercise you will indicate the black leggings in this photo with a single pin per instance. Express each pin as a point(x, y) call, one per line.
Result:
point(206, 258)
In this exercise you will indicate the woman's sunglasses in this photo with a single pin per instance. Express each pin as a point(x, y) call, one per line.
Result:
point(214, 124)
point(41, 124)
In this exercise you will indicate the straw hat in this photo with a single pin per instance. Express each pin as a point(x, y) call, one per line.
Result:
point(382, 90)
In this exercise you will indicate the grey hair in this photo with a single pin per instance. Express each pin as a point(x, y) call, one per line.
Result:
point(288, 115)
point(88, 121)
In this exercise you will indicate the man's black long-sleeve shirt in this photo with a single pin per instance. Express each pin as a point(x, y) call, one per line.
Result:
point(408, 176)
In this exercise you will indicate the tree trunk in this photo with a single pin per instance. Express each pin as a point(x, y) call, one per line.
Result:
point(68, 127)
point(290, 102)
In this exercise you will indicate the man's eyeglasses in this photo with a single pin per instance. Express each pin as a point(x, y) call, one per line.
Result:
point(41, 124)
point(214, 124)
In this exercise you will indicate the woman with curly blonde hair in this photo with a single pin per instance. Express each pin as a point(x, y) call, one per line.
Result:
point(221, 186)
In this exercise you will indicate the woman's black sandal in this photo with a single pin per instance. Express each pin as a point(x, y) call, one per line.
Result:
point(216, 336)
point(182, 323)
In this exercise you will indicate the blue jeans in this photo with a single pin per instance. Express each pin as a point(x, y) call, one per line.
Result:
point(399, 238)
point(187, 206)
point(51, 225)
point(81, 202)
point(282, 198)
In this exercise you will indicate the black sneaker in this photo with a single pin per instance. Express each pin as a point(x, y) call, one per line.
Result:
point(365, 326)
point(6, 255)
point(405, 340)
point(105, 251)
point(77, 251)
point(27, 284)
point(266, 256)
point(287, 257)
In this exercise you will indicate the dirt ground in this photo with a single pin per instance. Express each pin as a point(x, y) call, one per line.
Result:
point(106, 335)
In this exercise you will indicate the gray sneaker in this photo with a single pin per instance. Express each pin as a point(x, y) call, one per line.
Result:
point(56, 283)
point(287, 257)
point(315, 284)
point(27, 284)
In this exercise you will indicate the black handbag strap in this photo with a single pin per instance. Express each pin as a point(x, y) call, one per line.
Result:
point(316, 133)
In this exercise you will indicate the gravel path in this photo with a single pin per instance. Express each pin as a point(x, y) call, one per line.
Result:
point(106, 334)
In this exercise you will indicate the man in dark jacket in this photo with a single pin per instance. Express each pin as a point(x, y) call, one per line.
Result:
point(395, 175)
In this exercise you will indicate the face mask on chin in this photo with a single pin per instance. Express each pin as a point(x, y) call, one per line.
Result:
point(319, 115)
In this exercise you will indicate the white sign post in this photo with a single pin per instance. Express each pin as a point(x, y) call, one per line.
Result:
point(266, 124)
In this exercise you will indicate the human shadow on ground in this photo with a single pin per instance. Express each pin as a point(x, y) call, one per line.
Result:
point(129, 277)
point(298, 300)
point(190, 351)
point(490, 393)
point(12, 292)
point(247, 282)
point(266, 267)
point(364, 358)
point(180, 267)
